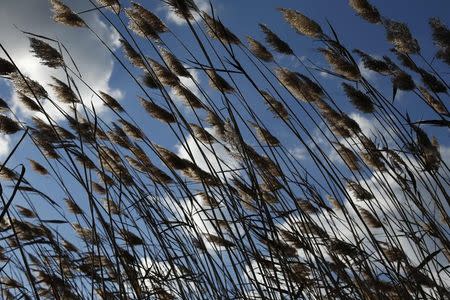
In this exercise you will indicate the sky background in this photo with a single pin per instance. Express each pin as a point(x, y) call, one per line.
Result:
point(242, 17)
point(102, 72)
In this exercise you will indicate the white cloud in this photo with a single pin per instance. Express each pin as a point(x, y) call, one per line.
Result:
point(299, 153)
point(93, 60)
point(4, 145)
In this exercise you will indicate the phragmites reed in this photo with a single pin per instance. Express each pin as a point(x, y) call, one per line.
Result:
point(265, 136)
point(431, 82)
point(299, 85)
point(6, 67)
point(174, 64)
point(219, 241)
point(3, 105)
point(275, 42)
point(201, 134)
point(218, 82)
point(157, 111)
point(26, 212)
point(217, 30)
point(374, 64)
point(366, 11)
point(348, 156)
point(246, 200)
point(441, 37)
point(85, 160)
point(358, 191)
point(341, 65)
point(275, 106)
point(188, 97)
point(48, 55)
point(64, 93)
point(8, 174)
point(301, 23)
point(173, 160)
point(259, 50)
point(133, 56)
point(28, 86)
point(359, 99)
point(369, 218)
point(402, 80)
point(111, 102)
point(64, 15)
point(8, 125)
point(113, 5)
point(163, 74)
point(38, 167)
point(150, 81)
point(28, 102)
point(73, 207)
point(182, 8)
point(433, 102)
point(400, 36)
point(132, 130)
point(144, 23)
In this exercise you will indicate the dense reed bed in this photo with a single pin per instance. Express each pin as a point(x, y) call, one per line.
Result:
point(233, 212)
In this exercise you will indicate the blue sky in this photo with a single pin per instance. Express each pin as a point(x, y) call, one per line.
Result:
point(102, 72)
point(242, 17)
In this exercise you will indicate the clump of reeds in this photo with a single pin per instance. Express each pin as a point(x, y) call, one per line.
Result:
point(242, 203)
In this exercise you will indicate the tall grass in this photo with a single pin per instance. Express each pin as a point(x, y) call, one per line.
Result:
point(233, 213)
